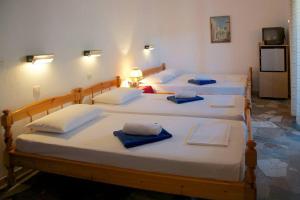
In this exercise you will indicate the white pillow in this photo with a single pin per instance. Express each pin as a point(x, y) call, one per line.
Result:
point(66, 119)
point(174, 72)
point(161, 77)
point(118, 96)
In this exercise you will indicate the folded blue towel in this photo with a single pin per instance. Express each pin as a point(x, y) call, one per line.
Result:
point(184, 100)
point(201, 82)
point(136, 140)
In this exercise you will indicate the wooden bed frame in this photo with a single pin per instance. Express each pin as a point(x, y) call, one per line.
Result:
point(160, 182)
point(248, 89)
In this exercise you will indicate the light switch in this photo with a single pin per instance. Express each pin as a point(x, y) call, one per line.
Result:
point(36, 92)
point(89, 76)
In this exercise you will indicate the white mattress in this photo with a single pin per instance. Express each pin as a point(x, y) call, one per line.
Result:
point(95, 143)
point(157, 104)
point(226, 85)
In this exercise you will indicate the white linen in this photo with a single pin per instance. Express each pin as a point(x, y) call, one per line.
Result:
point(202, 77)
point(226, 85)
point(216, 134)
point(225, 102)
point(118, 96)
point(95, 143)
point(157, 104)
point(142, 128)
point(185, 94)
point(162, 77)
point(175, 72)
point(66, 119)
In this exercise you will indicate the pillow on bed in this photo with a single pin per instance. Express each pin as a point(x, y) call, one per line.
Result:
point(118, 96)
point(66, 119)
point(161, 77)
point(174, 72)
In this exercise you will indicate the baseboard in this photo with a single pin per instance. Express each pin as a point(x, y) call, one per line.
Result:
point(20, 173)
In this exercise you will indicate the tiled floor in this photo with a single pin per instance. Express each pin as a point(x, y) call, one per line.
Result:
point(278, 171)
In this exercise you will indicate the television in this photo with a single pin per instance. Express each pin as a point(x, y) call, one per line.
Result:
point(273, 35)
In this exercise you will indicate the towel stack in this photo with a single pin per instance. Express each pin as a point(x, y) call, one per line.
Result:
point(185, 94)
point(136, 134)
point(202, 79)
point(142, 128)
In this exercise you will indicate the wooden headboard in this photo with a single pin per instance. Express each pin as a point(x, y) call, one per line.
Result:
point(154, 70)
point(99, 87)
point(9, 117)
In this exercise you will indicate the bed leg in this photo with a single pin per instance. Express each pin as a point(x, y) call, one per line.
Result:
point(6, 122)
point(11, 178)
point(250, 177)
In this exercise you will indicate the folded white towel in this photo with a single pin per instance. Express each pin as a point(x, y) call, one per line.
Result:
point(223, 102)
point(216, 134)
point(142, 128)
point(203, 77)
point(185, 94)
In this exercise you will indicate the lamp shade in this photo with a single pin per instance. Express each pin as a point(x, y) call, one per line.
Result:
point(136, 73)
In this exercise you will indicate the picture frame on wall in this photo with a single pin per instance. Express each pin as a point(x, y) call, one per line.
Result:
point(220, 29)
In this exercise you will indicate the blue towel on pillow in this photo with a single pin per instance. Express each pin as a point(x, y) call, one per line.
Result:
point(136, 140)
point(201, 82)
point(184, 100)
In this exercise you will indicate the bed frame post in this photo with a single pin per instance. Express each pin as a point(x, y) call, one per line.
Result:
point(163, 66)
point(118, 79)
point(78, 95)
point(250, 161)
point(7, 122)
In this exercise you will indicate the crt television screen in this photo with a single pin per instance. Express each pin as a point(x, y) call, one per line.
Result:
point(273, 35)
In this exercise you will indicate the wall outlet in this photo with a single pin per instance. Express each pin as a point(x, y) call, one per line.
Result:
point(36, 91)
point(89, 76)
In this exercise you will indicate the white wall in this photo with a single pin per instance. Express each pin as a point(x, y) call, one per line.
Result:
point(179, 29)
point(185, 40)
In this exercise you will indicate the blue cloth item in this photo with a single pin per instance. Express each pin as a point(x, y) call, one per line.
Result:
point(184, 100)
point(201, 82)
point(136, 140)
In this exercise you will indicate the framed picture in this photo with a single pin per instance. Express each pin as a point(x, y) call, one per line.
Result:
point(220, 29)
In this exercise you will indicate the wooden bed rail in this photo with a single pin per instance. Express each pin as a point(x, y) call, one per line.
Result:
point(250, 156)
point(99, 87)
point(9, 117)
point(249, 84)
point(154, 70)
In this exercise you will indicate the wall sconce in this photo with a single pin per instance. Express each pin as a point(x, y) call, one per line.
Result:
point(94, 53)
point(40, 59)
point(149, 47)
point(135, 76)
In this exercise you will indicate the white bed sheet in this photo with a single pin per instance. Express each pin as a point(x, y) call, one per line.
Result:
point(95, 143)
point(157, 104)
point(226, 85)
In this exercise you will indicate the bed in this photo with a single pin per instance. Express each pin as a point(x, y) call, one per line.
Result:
point(172, 156)
point(157, 104)
point(226, 84)
point(174, 183)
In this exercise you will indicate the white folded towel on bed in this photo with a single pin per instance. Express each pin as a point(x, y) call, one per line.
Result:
point(223, 102)
point(142, 128)
point(203, 77)
point(216, 134)
point(185, 94)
